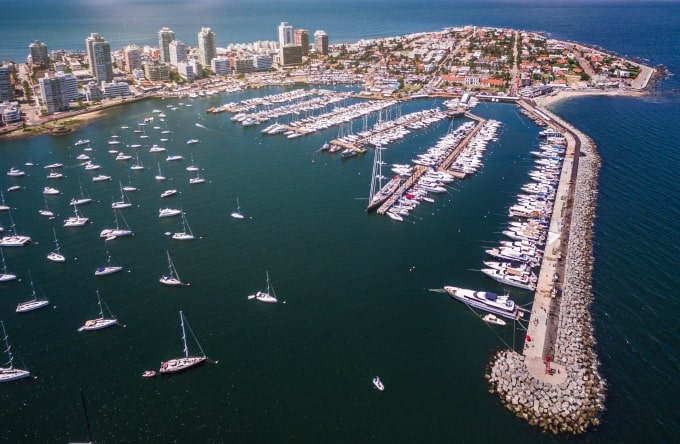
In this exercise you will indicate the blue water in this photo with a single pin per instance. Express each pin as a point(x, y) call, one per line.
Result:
point(353, 284)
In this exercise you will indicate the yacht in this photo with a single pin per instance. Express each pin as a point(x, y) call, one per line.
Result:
point(169, 212)
point(107, 269)
point(186, 233)
point(378, 383)
point(157, 149)
point(54, 175)
point(524, 280)
point(82, 142)
point(51, 191)
point(192, 141)
point(14, 172)
point(168, 193)
point(265, 296)
point(493, 319)
point(100, 322)
point(485, 300)
point(100, 178)
point(172, 157)
point(32, 304)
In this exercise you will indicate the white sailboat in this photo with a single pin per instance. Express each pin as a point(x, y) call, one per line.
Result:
point(3, 207)
point(14, 239)
point(55, 255)
point(5, 276)
point(237, 214)
point(76, 221)
point(185, 362)
point(32, 304)
point(124, 201)
point(265, 296)
point(100, 322)
point(129, 186)
point(46, 211)
point(172, 278)
point(113, 233)
point(160, 175)
point(186, 233)
point(82, 200)
point(8, 372)
point(197, 179)
point(138, 165)
point(109, 268)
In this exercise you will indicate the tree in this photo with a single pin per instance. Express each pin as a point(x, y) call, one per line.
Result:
point(28, 93)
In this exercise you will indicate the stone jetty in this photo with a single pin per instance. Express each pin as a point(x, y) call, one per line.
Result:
point(555, 384)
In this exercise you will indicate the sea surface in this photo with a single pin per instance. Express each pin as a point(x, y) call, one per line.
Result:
point(355, 286)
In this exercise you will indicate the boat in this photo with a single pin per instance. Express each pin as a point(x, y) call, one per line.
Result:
point(265, 296)
point(54, 175)
point(3, 207)
point(109, 268)
point(82, 200)
point(378, 383)
point(76, 221)
point(9, 373)
point(193, 166)
point(46, 211)
point(148, 374)
point(197, 179)
point(160, 175)
point(157, 149)
point(14, 239)
point(55, 255)
point(83, 157)
point(113, 233)
point(51, 191)
point(485, 300)
point(14, 188)
point(379, 193)
point(124, 201)
point(169, 212)
point(186, 233)
point(15, 172)
point(192, 141)
point(100, 322)
point(54, 165)
point(5, 276)
point(91, 166)
point(237, 214)
point(32, 304)
point(82, 142)
point(168, 193)
point(180, 364)
point(493, 319)
point(524, 280)
point(172, 157)
point(100, 178)
point(129, 186)
point(172, 278)
point(138, 165)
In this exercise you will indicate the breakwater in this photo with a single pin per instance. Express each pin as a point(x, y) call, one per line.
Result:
point(560, 390)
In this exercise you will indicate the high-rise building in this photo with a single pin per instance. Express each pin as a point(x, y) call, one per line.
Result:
point(321, 42)
point(302, 39)
point(99, 57)
point(221, 65)
point(154, 71)
point(132, 57)
point(6, 90)
point(165, 36)
point(206, 46)
point(291, 55)
point(286, 36)
point(38, 53)
point(178, 52)
point(57, 91)
point(262, 62)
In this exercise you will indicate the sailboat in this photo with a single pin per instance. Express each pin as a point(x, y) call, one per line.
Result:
point(109, 268)
point(193, 166)
point(129, 186)
point(46, 211)
point(76, 221)
point(138, 165)
point(5, 276)
point(82, 200)
point(265, 296)
point(101, 321)
point(55, 255)
point(3, 207)
point(31, 304)
point(172, 278)
point(14, 239)
point(197, 179)
point(112, 233)
point(10, 373)
point(237, 214)
point(160, 175)
point(124, 201)
point(186, 233)
point(185, 362)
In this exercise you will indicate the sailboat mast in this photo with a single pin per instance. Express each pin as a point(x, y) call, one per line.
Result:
point(7, 347)
point(87, 418)
point(184, 336)
point(99, 301)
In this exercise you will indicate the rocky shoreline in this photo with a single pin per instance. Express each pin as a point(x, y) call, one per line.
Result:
point(576, 404)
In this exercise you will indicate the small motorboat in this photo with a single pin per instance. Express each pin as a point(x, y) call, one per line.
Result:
point(378, 383)
point(493, 319)
point(149, 374)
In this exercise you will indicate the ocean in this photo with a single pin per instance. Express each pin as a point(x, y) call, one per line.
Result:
point(355, 286)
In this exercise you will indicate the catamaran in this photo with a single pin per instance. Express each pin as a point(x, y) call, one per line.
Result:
point(14, 240)
point(185, 362)
point(10, 373)
point(32, 304)
point(172, 278)
point(55, 255)
point(265, 296)
point(186, 233)
point(100, 322)
point(76, 221)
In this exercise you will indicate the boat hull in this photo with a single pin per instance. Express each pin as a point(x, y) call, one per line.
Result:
point(181, 364)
